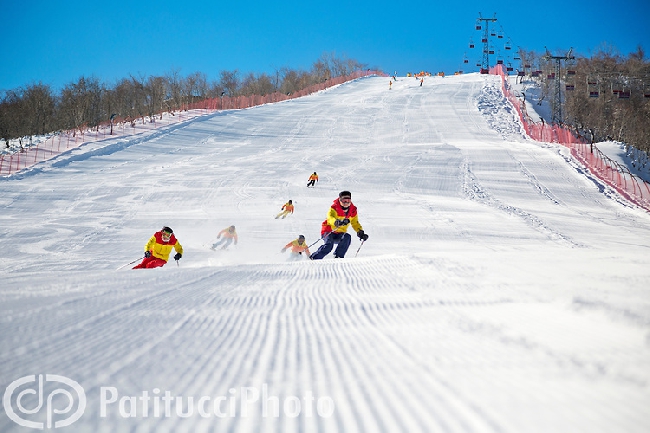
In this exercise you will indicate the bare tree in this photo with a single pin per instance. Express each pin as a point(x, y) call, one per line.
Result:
point(256, 85)
point(154, 89)
point(77, 106)
point(10, 115)
point(39, 105)
point(196, 87)
point(230, 82)
point(175, 90)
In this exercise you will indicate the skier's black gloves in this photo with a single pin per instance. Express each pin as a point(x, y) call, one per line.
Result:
point(147, 254)
point(339, 223)
point(362, 235)
point(178, 256)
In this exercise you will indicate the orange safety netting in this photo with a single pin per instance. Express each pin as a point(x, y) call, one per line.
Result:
point(612, 173)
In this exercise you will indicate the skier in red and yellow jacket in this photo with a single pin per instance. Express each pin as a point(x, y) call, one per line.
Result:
point(298, 246)
point(157, 250)
point(342, 213)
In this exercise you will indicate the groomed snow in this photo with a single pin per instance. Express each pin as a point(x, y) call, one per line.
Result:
point(502, 289)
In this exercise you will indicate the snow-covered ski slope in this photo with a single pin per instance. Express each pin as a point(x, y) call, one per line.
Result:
point(502, 289)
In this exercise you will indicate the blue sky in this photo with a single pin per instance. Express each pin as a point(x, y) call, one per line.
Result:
point(57, 42)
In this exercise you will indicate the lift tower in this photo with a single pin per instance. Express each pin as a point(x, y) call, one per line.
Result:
point(485, 64)
point(556, 103)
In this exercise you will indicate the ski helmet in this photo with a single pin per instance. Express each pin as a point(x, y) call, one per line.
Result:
point(167, 230)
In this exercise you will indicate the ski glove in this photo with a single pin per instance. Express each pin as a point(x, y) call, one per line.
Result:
point(147, 254)
point(339, 223)
point(362, 235)
point(178, 256)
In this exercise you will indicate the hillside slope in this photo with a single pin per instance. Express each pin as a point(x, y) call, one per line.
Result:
point(502, 289)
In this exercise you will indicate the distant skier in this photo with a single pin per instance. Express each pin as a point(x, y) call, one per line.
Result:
point(287, 208)
point(342, 213)
point(298, 246)
point(229, 235)
point(157, 250)
point(312, 180)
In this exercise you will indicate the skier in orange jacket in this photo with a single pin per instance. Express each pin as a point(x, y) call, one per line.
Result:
point(286, 210)
point(229, 234)
point(312, 180)
point(298, 246)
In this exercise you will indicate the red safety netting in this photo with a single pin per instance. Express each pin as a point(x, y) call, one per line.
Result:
point(612, 173)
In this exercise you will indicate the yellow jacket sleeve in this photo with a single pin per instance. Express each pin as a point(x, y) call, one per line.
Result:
point(150, 244)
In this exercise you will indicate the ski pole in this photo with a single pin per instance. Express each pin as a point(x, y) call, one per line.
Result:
point(359, 247)
point(130, 263)
point(317, 241)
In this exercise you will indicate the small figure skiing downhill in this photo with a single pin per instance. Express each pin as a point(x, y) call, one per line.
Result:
point(157, 250)
point(312, 180)
point(287, 208)
point(298, 246)
point(342, 213)
point(226, 237)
